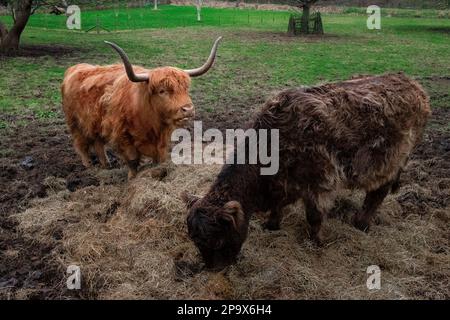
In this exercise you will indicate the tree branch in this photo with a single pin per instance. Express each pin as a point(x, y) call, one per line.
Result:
point(303, 3)
point(37, 5)
point(13, 14)
point(35, 8)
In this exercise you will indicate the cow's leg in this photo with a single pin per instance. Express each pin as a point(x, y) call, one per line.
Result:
point(315, 217)
point(273, 223)
point(396, 184)
point(133, 166)
point(99, 147)
point(81, 145)
point(373, 199)
point(132, 158)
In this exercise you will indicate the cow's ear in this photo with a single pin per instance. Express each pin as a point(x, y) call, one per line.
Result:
point(189, 199)
point(233, 214)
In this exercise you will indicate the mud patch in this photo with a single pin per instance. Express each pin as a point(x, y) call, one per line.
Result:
point(29, 265)
point(78, 180)
point(425, 182)
point(39, 150)
point(34, 51)
point(38, 161)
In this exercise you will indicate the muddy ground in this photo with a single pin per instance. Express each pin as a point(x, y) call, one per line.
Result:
point(130, 238)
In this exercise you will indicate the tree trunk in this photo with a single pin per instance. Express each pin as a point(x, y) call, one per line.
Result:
point(10, 43)
point(3, 31)
point(199, 10)
point(291, 26)
point(305, 18)
point(9, 40)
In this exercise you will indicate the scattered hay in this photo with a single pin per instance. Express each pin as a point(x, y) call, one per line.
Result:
point(130, 241)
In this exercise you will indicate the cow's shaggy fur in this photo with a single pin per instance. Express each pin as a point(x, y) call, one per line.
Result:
point(102, 106)
point(355, 134)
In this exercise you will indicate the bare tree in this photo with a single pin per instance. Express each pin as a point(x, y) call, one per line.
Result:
point(20, 10)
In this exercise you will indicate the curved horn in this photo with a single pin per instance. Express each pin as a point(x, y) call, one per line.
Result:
point(128, 67)
point(208, 64)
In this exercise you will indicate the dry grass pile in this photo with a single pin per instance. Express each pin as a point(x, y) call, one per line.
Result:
point(130, 241)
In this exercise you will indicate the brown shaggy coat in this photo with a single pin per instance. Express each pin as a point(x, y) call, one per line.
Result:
point(102, 106)
point(355, 134)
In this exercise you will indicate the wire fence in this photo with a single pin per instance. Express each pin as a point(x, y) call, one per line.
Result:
point(120, 18)
point(122, 15)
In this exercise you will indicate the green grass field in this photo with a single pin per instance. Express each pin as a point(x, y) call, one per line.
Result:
point(255, 58)
point(166, 16)
point(123, 18)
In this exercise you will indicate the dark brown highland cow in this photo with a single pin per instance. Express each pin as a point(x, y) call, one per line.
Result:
point(355, 134)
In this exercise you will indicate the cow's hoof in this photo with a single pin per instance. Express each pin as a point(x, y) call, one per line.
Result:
point(105, 164)
point(132, 175)
point(270, 225)
point(159, 173)
point(360, 224)
point(317, 239)
point(87, 164)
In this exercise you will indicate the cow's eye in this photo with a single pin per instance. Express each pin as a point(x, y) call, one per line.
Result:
point(162, 91)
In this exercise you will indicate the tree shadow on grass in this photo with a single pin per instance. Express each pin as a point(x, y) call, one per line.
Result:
point(283, 37)
point(56, 51)
point(441, 29)
point(422, 28)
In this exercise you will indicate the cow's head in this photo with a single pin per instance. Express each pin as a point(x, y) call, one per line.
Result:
point(218, 231)
point(168, 87)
